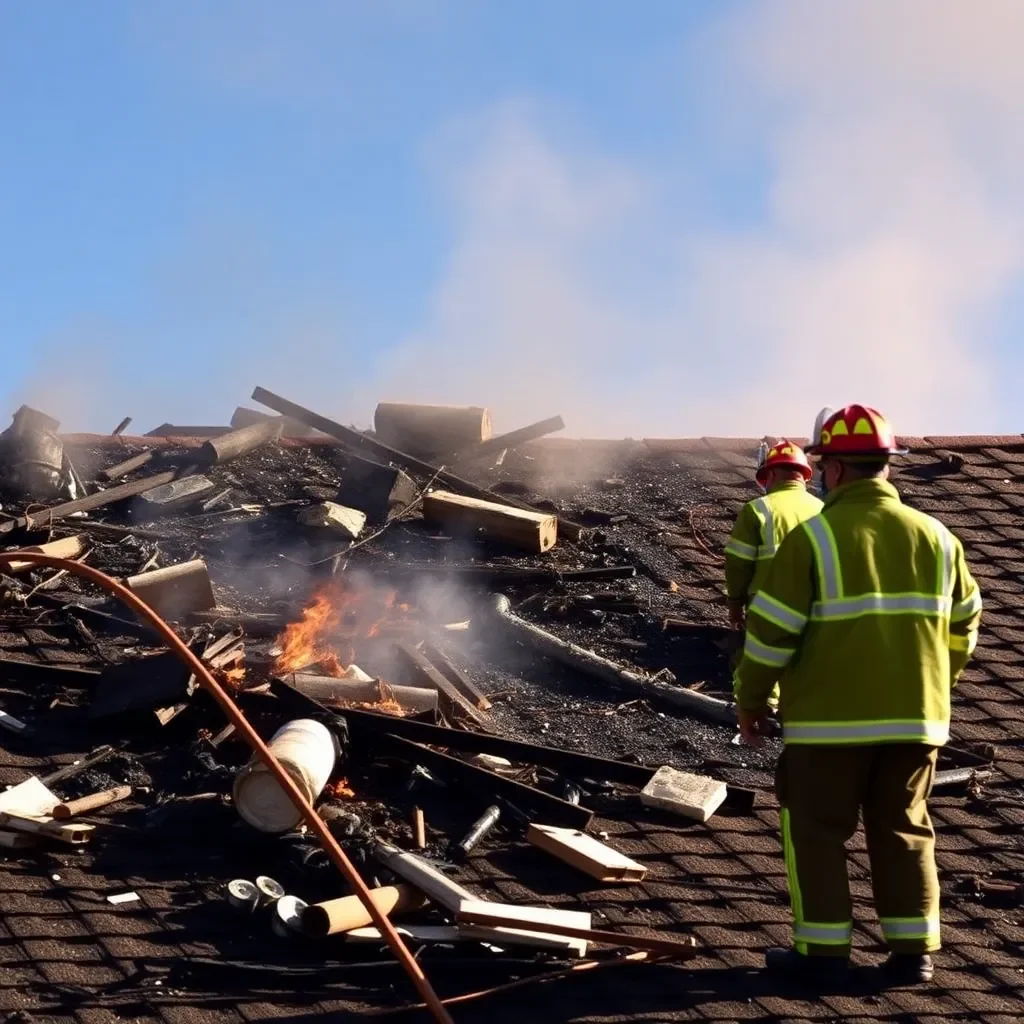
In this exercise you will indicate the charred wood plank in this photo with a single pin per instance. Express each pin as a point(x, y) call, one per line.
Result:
point(127, 466)
point(121, 427)
point(458, 679)
point(89, 503)
point(90, 760)
point(513, 439)
point(569, 762)
point(424, 674)
point(354, 439)
point(36, 673)
point(533, 532)
point(427, 430)
point(486, 784)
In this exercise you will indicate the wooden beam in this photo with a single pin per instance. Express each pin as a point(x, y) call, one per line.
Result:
point(534, 532)
point(513, 439)
point(427, 430)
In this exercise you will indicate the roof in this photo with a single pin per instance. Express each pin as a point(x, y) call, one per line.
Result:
point(71, 956)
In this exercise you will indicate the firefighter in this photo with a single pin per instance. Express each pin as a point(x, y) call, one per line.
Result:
point(764, 522)
point(866, 619)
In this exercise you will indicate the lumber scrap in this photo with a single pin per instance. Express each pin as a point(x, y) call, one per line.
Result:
point(92, 802)
point(487, 785)
point(457, 678)
point(495, 915)
point(175, 590)
point(121, 427)
point(513, 439)
point(218, 450)
point(384, 453)
point(424, 674)
point(585, 853)
point(534, 532)
point(64, 547)
point(428, 430)
point(89, 503)
point(508, 924)
point(568, 762)
point(127, 466)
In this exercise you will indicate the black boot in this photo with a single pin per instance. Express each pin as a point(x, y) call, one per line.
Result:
point(908, 969)
point(827, 970)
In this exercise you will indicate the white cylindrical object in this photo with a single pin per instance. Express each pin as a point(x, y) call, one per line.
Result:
point(306, 751)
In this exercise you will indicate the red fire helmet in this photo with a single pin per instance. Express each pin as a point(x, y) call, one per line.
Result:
point(856, 430)
point(784, 455)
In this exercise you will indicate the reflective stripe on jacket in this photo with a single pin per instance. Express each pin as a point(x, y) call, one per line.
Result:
point(760, 528)
point(866, 620)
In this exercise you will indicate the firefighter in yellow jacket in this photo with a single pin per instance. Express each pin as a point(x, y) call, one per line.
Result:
point(866, 620)
point(764, 522)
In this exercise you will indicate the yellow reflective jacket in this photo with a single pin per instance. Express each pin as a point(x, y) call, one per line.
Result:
point(866, 620)
point(760, 528)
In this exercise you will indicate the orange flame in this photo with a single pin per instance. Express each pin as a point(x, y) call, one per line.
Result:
point(333, 616)
point(340, 790)
point(301, 642)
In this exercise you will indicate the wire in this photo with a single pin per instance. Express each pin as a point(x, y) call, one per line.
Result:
point(263, 752)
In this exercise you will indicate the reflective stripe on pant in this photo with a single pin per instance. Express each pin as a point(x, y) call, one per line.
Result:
point(822, 790)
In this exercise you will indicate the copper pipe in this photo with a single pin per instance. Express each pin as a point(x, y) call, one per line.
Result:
point(241, 724)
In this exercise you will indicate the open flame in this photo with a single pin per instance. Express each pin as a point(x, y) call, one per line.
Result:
point(339, 790)
point(335, 618)
point(303, 642)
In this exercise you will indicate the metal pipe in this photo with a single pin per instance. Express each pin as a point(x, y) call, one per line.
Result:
point(481, 827)
point(245, 729)
point(711, 709)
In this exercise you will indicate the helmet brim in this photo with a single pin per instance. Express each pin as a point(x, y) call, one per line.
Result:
point(818, 450)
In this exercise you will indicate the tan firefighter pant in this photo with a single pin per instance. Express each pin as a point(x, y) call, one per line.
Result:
point(821, 791)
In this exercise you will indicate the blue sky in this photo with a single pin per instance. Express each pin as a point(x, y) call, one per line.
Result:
point(653, 218)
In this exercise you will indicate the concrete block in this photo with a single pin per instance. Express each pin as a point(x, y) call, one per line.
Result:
point(691, 796)
point(329, 515)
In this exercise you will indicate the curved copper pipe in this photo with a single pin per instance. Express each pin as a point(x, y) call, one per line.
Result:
point(241, 723)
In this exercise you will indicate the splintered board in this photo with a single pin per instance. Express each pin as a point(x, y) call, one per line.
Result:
point(530, 531)
point(585, 853)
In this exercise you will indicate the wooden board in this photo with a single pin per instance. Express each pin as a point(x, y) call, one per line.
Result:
point(586, 853)
point(535, 532)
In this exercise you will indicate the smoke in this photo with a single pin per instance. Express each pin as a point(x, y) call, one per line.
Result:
point(889, 236)
point(846, 228)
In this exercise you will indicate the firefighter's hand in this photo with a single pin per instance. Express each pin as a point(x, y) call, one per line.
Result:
point(737, 616)
point(753, 726)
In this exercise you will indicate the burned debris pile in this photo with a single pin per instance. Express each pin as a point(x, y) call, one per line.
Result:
point(469, 674)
